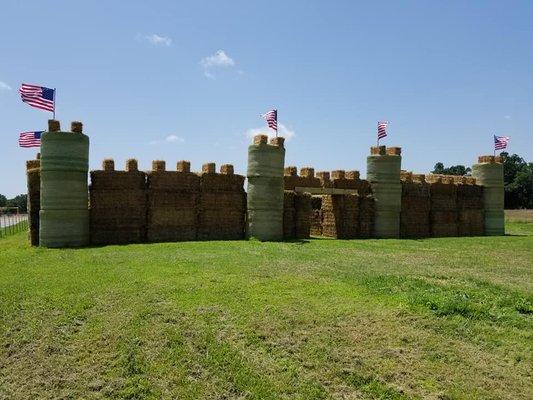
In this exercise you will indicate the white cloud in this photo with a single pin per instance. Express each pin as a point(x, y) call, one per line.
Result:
point(158, 40)
point(218, 60)
point(169, 139)
point(507, 117)
point(283, 131)
point(174, 139)
point(4, 86)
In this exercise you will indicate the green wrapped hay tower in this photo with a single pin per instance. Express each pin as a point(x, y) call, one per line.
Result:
point(489, 173)
point(383, 173)
point(64, 214)
point(266, 163)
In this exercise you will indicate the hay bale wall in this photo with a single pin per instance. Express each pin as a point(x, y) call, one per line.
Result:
point(316, 216)
point(297, 215)
point(416, 207)
point(443, 214)
point(173, 197)
point(292, 180)
point(33, 178)
point(339, 216)
point(222, 205)
point(471, 221)
point(117, 205)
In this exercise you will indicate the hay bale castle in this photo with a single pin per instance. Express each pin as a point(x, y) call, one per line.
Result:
point(160, 205)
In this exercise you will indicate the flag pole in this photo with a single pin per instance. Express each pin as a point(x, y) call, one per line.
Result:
point(277, 119)
point(54, 117)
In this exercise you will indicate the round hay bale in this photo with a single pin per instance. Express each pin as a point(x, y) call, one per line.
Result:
point(352, 175)
point(291, 171)
point(260, 139)
point(132, 165)
point(183, 166)
point(158, 166)
point(226, 169)
point(338, 174)
point(277, 141)
point(307, 172)
point(378, 150)
point(394, 151)
point(108, 164)
point(54, 125)
point(76, 127)
point(209, 168)
point(32, 164)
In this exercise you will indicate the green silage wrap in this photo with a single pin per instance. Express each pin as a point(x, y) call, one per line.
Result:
point(64, 211)
point(383, 173)
point(490, 176)
point(265, 192)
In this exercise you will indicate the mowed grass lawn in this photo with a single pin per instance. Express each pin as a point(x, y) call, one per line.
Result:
point(446, 318)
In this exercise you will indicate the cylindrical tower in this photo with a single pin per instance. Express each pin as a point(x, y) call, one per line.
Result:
point(265, 188)
point(64, 215)
point(383, 173)
point(489, 174)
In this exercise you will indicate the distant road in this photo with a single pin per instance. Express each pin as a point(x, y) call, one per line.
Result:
point(519, 215)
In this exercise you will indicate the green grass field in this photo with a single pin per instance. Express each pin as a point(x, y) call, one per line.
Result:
point(447, 318)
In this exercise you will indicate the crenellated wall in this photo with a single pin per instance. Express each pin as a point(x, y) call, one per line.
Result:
point(160, 205)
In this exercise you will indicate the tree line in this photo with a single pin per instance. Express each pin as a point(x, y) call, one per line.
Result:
point(517, 178)
point(19, 201)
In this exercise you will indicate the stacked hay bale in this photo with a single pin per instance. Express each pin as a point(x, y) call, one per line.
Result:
point(341, 179)
point(117, 204)
point(383, 172)
point(172, 203)
point(332, 221)
point(33, 177)
point(443, 214)
point(489, 174)
point(64, 214)
point(302, 217)
point(289, 215)
point(471, 220)
point(222, 204)
point(367, 212)
point(265, 188)
point(292, 180)
point(416, 206)
point(316, 216)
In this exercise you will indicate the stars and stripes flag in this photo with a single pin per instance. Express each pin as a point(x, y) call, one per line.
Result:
point(382, 129)
point(30, 139)
point(271, 118)
point(500, 142)
point(38, 96)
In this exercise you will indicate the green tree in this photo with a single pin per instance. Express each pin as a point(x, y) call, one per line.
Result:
point(19, 201)
point(3, 200)
point(453, 170)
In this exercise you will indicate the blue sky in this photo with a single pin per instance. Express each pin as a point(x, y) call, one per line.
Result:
point(187, 80)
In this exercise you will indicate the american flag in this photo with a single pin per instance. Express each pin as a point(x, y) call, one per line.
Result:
point(30, 139)
point(382, 129)
point(500, 142)
point(38, 96)
point(271, 118)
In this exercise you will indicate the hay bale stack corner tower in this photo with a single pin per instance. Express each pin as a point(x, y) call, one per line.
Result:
point(266, 164)
point(489, 173)
point(383, 173)
point(64, 213)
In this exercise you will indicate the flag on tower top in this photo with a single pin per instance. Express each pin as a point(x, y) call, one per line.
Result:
point(500, 142)
point(38, 96)
point(382, 129)
point(271, 118)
